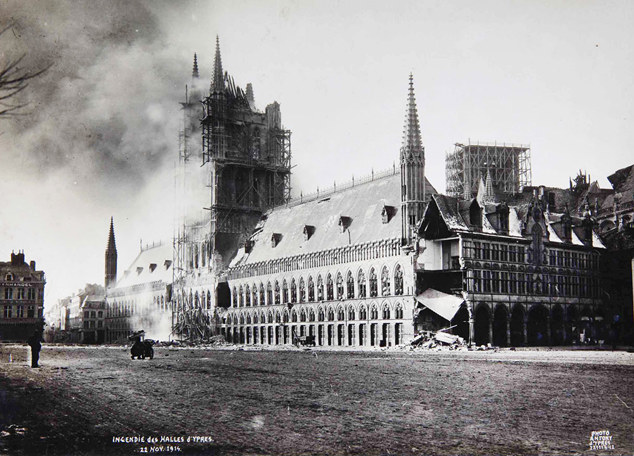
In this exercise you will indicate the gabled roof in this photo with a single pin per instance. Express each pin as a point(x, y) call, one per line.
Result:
point(140, 272)
point(362, 204)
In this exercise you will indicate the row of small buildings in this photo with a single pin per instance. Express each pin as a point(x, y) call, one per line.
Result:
point(374, 261)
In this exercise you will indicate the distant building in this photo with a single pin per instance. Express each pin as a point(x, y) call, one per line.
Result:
point(142, 298)
point(21, 298)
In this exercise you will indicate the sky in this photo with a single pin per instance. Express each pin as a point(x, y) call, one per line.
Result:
point(99, 136)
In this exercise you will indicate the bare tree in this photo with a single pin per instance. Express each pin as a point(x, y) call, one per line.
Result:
point(13, 80)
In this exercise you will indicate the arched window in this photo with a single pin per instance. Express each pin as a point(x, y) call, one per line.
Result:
point(293, 291)
point(386, 312)
point(311, 315)
point(256, 318)
point(320, 315)
point(350, 284)
point(247, 295)
point(241, 296)
point(329, 286)
point(339, 286)
point(229, 319)
point(285, 316)
point(374, 313)
point(269, 294)
point(293, 316)
point(311, 289)
point(284, 292)
point(351, 313)
point(277, 292)
point(278, 317)
point(385, 281)
point(241, 319)
point(363, 313)
point(373, 283)
point(248, 319)
point(398, 280)
point(320, 289)
point(302, 290)
point(208, 299)
point(361, 284)
point(341, 316)
point(262, 294)
point(331, 314)
point(302, 316)
point(399, 311)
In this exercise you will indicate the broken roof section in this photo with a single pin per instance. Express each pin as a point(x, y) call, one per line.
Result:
point(443, 304)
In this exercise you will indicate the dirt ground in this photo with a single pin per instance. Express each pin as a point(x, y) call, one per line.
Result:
point(313, 402)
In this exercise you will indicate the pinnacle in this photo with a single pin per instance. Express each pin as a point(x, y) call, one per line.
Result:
point(112, 247)
point(412, 143)
point(218, 83)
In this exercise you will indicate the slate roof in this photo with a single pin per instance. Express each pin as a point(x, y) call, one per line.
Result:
point(140, 272)
point(363, 204)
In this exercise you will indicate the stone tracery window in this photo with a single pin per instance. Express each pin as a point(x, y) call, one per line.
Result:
point(361, 284)
point(350, 284)
point(284, 292)
point(269, 293)
point(241, 296)
point(320, 315)
point(331, 314)
point(399, 311)
point(339, 286)
point(341, 316)
point(351, 313)
point(302, 290)
point(293, 291)
point(247, 295)
point(277, 292)
point(385, 281)
point(235, 297)
point(398, 280)
point(311, 315)
point(329, 288)
point(262, 294)
point(293, 316)
point(302, 316)
point(320, 288)
point(374, 313)
point(311, 289)
point(386, 312)
point(373, 283)
point(363, 313)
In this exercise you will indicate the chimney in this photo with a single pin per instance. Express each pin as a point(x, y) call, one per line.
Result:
point(32, 265)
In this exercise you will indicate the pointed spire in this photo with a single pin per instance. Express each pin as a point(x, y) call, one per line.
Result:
point(195, 69)
point(488, 187)
point(112, 247)
point(218, 81)
point(412, 143)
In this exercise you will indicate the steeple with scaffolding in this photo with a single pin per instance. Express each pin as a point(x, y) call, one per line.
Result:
point(234, 164)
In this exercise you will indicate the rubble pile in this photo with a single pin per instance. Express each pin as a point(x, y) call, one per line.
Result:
point(430, 340)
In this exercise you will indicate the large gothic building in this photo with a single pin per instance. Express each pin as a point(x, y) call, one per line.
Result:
point(368, 263)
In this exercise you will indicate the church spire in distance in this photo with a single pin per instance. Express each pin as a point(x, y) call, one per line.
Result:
point(195, 69)
point(111, 258)
point(218, 81)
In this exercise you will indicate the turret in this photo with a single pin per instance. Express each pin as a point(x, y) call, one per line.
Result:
point(412, 169)
point(111, 258)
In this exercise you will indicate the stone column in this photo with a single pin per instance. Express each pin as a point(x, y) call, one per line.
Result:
point(471, 323)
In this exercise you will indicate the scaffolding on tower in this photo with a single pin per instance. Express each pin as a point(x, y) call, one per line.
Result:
point(509, 166)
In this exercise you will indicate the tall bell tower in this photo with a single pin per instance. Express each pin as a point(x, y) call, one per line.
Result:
point(412, 169)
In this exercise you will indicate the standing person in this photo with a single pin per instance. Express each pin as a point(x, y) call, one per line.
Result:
point(35, 342)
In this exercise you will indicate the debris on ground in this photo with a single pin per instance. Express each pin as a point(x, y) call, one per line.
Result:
point(430, 340)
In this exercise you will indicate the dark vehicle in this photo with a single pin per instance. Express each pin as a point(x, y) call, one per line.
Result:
point(303, 340)
point(141, 348)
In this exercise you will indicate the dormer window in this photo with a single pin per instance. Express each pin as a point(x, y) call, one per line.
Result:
point(387, 213)
point(248, 246)
point(152, 267)
point(276, 238)
point(139, 269)
point(344, 223)
point(9, 277)
point(167, 264)
point(309, 230)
